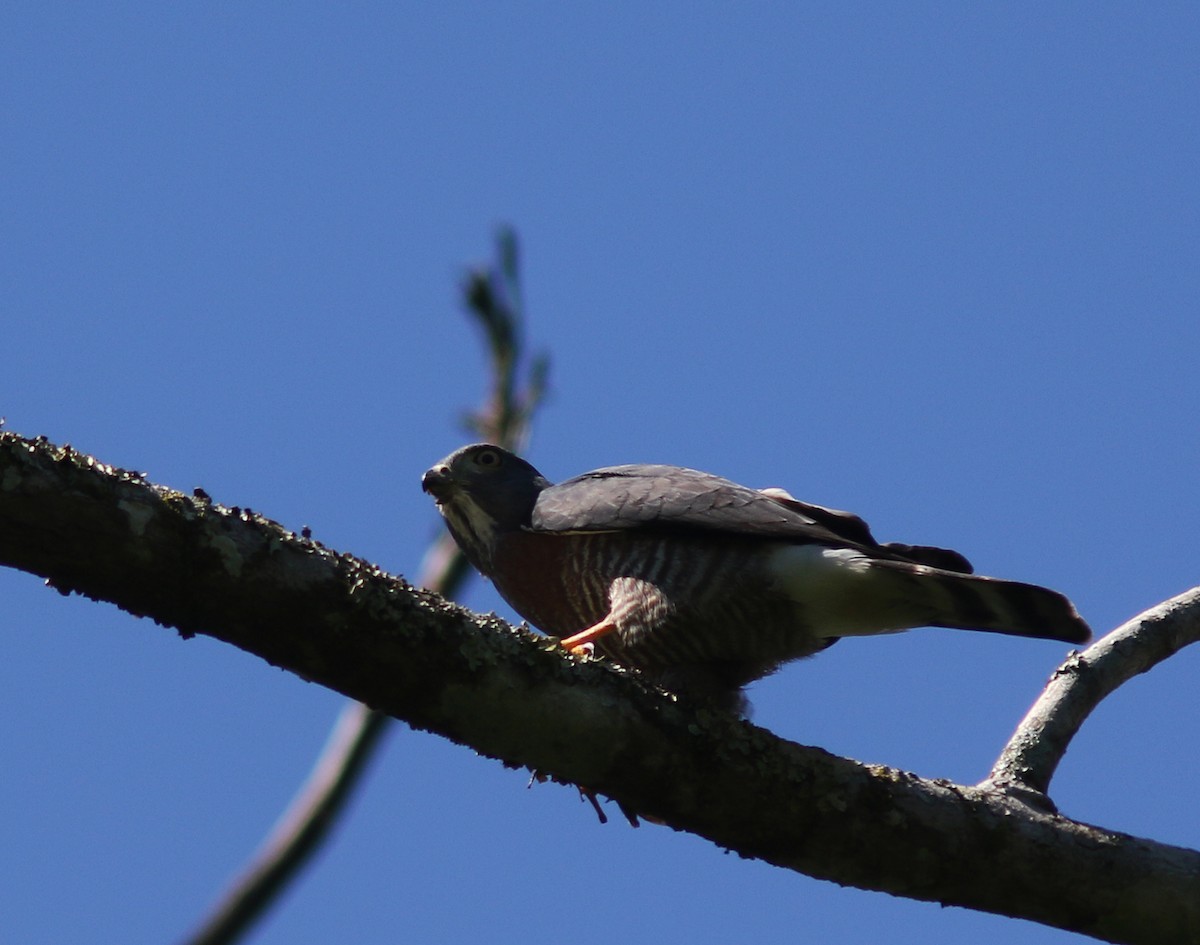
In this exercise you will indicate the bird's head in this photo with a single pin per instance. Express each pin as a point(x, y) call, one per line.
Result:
point(483, 491)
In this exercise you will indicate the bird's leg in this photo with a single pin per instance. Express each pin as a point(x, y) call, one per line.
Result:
point(577, 641)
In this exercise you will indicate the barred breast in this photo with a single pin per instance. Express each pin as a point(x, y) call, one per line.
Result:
point(683, 605)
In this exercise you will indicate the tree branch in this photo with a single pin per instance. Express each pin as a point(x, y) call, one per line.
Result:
point(1031, 756)
point(301, 829)
point(492, 295)
point(356, 735)
point(333, 619)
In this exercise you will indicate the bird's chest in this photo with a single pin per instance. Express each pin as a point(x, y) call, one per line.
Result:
point(556, 582)
point(562, 583)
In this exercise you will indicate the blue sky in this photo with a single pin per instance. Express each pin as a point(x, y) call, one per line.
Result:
point(934, 263)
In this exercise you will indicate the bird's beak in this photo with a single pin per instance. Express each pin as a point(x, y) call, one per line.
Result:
point(438, 482)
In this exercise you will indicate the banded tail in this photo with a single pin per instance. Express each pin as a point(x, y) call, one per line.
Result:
point(843, 592)
point(937, 598)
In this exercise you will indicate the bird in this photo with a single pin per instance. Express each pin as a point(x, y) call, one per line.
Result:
point(702, 584)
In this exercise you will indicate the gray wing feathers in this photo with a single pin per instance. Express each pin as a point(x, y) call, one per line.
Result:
point(621, 497)
point(673, 497)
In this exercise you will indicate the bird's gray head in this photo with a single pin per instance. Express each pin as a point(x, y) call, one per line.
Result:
point(483, 491)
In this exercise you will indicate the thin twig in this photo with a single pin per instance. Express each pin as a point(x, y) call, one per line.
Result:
point(1031, 756)
point(301, 829)
point(492, 297)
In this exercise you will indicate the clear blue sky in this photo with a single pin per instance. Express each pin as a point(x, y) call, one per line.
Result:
point(936, 263)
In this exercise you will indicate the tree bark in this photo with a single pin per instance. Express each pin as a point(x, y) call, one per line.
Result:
point(333, 619)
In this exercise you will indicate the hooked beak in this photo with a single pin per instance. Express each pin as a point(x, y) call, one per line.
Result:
point(438, 482)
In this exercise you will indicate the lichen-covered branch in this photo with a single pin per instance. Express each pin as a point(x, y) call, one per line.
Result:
point(306, 823)
point(343, 623)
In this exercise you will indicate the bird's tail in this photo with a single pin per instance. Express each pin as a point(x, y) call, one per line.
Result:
point(932, 597)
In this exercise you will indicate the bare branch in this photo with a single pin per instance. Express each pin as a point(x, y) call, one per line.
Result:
point(1032, 754)
point(492, 296)
point(301, 829)
point(511, 695)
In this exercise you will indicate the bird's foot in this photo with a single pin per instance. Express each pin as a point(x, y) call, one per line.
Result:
point(580, 643)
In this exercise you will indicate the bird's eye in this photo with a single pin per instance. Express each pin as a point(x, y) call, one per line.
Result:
point(488, 458)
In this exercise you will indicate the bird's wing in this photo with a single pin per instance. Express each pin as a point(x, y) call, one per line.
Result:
point(678, 499)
